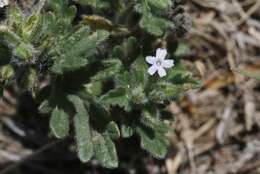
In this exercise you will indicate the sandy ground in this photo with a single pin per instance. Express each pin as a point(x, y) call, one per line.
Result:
point(217, 127)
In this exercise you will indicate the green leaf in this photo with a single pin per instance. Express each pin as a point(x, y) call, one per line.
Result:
point(178, 75)
point(105, 150)
point(45, 107)
point(117, 97)
point(57, 5)
point(24, 51)
point(73, 52)
point(113, 130)
point(50, 26)
point(11, 37)
point(6, 72)
point(155, 25)
point(29, 79)
point(70, 14)
point(97, 4)
point(128, 50)
point(134, 83)
point(138, 95)
point(16, 18)
point(167, 91)
point(250, 74)
point(153, 142)
point(112, 68)
point(83, 137)
point(181, 50)
point(151, 119)
point(59, 123)
point(123, 80)
point(94, 88)
point(139, 72)
point(126, 130)
point(32, 27)
point(160, 4)
point(63, 12)
point(78, 104)
point(36, 29)
point(20, 49)
point(82, 129)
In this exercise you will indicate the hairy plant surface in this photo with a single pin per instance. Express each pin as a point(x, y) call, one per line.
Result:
point(89, 73)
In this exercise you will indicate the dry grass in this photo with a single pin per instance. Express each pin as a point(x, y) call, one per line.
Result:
point(217, 127)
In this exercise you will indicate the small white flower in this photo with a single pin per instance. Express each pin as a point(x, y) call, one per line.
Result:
point(159, 63)
point(3, 3)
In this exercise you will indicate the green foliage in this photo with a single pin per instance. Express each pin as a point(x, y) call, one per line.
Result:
point(250, 74)
point(111, 68)
point(160, 4)
point(82, 129)
point(80, 45)
point(151, 21)
point(98, 88)
point(153, 142)
point(154, 25)
point(115, 97)
point(59, 123)
point(97, 4)
point(105, 150)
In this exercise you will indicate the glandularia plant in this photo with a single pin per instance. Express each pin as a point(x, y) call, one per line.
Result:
point(101, 69)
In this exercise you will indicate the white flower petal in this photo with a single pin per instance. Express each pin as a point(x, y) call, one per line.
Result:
point(3, 3)
point(161, 72)
point(152, 70)
point(168, 63)
point(161, 53)
point(150, 59)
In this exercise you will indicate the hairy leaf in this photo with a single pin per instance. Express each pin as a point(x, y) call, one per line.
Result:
point(105, 150)
point(45, 107)
point(59, 123)
point(127, 50)
point(155, 25)
point(117, 97)
point(113, 130)
point(153, 142)
point(151, 120)
point(73, 52)
point(97, 4)
point(126, 131)
point(139, 72)
point(112, 68)
point(82, 130)
point(160, 4)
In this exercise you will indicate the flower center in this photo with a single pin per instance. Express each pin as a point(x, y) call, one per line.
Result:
point(158, 62)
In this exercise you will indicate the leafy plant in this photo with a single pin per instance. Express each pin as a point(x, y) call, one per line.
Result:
point(96, 84)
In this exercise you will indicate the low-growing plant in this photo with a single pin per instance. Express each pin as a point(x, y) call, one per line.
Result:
point(88, 68)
